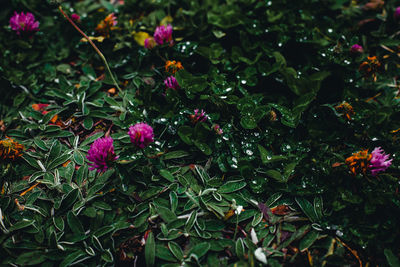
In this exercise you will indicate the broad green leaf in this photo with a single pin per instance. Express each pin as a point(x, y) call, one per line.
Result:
point(176, 250)
point(167, 175)
point(200, 249)
point(391, 259)
point(231, 186)
point(307, 208)
point(308, 240)
point(74, 223)
point(166, 214)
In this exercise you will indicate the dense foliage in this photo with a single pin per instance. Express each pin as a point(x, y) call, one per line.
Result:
point(256, 146)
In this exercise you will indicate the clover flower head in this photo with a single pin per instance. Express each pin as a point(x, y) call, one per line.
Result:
point(356, 48)
point(163, 34)
point(345, 109)
point(149, 43)
point(397, 13)
point(141, 134)
point(173, 66)
point(379, 161)
point(107, 24)
point(359, 161)
point(101, 154)
point(218, 129)
point(24, 23)
point(75, 17)
point(198, 116)
point(370, 67)
point(171, 82)
point(10, 149)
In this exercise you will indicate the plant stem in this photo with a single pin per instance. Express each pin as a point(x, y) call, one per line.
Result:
point(94, 46)
point(236, 227)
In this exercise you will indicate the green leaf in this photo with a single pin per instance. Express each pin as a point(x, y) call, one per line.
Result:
point(231, 186)
point(59, 223)
point(391, 259)
point(257, 219)
point(225, 18)
point(275, 174)
point(186, 133)
point(88, 123)
point(107, 256)
point(166, 214)
point(307, 208)
point(72, 257)
point(167, 175)
point(176, 250)
point(318, 207)
point(175, 155)
point(31, 258)
point(58, 161)
point(239, 248)
point(191, 221)
point(164, 253)
point(200, 249)
point(74, 223)
point(55, 150)
point(173, 198)
point(78, 157)
point(203, 147)
point(19, 99)
point(21, 224)
point(91, 138)
point(308, 240)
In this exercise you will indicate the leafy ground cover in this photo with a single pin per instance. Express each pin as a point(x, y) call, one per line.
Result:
point(199, 133)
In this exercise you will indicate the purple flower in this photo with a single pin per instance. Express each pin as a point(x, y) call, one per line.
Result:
point(101, 153)
point(149, 43)
point(397, 13)
point(356, 48)
point(24, 23)
point(75, 17)
point(171, 82)
point(163, 34)
point(198, 116)
point(218, 129)
point(141, 134)
point(379, 161)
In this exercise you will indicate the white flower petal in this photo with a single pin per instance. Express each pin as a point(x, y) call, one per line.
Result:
point(259, 254)
point(253, 235)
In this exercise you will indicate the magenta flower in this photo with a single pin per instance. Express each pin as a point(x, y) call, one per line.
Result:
point(75, 17)
point(379, 161)
point(141, 134)
point(101, 154)
point(163, 34)
point(149, 43)
point(171, 82)
point(24, 23)
point(397, 13)
point(218, 129)
point(356, 48)
point(198, 116)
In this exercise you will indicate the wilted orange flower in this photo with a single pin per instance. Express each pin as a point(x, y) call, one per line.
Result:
point(346, 109)
point(107, 25)
point(173, 66)
point(374, 4)
point(42, 108)
point(2, 126)
point(280, 210)
point(10, 149)
point(359, 161)
point(370, 67)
